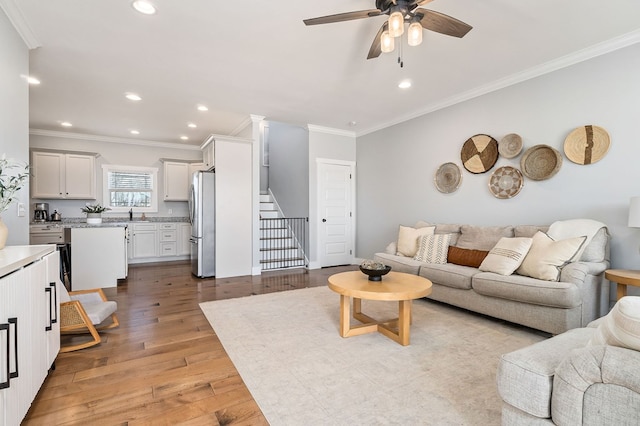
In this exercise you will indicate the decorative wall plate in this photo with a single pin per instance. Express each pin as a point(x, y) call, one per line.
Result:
point(479, 153)
point(540, 162)
point(587, 144)
point(506, 182)
point(448, 178)
point(510, 146)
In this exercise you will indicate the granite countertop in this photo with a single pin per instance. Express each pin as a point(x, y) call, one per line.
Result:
point(81, 222)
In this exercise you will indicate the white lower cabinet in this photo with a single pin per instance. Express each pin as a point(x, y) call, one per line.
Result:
point(150, 242)
point(29, 333)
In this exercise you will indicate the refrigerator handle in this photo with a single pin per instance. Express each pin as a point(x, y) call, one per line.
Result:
point(191, 206)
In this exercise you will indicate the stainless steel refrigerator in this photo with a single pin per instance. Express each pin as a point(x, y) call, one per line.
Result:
point(202, 213)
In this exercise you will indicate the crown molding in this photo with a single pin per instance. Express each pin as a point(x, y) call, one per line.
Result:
point(576, 57)
point(17, 19)
point(330, 131)
point(110, 139)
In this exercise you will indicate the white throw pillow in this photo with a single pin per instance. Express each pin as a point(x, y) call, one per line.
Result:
point(408, 239)
point(547, 257)
point(506, 256)
point(433, 248)
point(563, 229)
point(621, 326)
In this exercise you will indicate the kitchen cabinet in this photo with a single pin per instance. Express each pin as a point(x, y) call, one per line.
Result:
point(58, 175)
point(184, 236)
point(144, 240)
point(208, 154)
point(176, 181)
point(98, 257)
point(29, 328)
point(168, 237)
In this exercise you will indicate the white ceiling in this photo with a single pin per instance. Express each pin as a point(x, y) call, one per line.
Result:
point(257, 57)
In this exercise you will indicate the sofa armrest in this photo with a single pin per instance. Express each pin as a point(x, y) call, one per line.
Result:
point(597, 385)
point(576, 272)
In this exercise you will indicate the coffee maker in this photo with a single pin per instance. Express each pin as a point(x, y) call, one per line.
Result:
point(41, 212)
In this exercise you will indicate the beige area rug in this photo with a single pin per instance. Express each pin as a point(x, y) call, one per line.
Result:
point(288, 351)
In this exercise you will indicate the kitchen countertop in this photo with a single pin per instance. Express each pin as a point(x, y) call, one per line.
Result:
point(13, 258)
point(107, 222)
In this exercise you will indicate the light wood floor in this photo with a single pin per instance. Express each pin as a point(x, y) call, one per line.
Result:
point(164, 365)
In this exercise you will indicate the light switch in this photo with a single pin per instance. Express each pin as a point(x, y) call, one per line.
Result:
point(21, 210)
point(170, 211)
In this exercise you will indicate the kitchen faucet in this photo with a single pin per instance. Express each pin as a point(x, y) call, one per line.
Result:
point(131, 213)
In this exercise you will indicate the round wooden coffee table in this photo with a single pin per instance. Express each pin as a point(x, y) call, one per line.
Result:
point(395, 286)
point(623, 278)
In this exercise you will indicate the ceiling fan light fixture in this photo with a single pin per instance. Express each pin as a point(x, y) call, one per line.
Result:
point(414, 35)
point(396, 24)
point(387, 43)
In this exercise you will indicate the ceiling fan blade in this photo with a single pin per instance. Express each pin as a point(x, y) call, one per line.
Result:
point(420, 2)
point(341, 17)
point(376, 47)
point(441, 23)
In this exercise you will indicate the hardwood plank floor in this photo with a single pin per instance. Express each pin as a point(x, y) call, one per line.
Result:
point(164, 365)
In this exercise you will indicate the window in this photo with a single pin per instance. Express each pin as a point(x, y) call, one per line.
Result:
point(129, 187)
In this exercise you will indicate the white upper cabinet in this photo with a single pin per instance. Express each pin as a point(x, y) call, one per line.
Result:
point(176, 181)
point(208, 155)
point(63, 175)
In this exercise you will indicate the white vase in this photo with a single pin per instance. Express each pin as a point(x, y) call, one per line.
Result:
point(4, 233)
point(94, 218)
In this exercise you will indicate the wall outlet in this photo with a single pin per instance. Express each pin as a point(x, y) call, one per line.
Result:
point(22, 211)
point(170, 211)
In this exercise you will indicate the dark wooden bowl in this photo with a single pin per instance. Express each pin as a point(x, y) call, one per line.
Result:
point(375, 274)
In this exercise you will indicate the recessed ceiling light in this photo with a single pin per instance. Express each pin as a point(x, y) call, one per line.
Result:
point(132, 96)
point(33, 80)
point(192, 125)
point(66, 124)
point(135, 132)
point(202, 108)
point(184, 138)
point(144, 6)
point(404, 84)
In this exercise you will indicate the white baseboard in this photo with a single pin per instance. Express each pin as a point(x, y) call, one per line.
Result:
point(256, 270)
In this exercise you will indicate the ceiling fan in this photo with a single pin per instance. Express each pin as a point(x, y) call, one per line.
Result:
point(400, 11)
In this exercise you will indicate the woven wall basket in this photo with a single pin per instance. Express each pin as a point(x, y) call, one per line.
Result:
point(587, 144)
point(510, 146)
point(479, 153)
point(540, 162)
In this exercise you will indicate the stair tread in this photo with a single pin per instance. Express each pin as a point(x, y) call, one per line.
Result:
point(289, 259)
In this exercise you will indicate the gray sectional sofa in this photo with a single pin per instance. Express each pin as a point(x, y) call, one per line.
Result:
point(579, 296)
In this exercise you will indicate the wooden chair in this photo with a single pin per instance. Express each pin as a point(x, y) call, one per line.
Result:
point(84, 311)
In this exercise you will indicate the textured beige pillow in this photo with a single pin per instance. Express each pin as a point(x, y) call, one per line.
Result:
point(506, 256)
point(482, 237)
point(433, 248)
point(547, 257)
point(621, 326)
point(408, 239)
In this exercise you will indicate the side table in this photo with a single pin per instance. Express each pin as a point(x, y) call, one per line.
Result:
point(623, 278)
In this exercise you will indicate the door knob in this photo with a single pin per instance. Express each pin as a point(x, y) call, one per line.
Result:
point(324, 220)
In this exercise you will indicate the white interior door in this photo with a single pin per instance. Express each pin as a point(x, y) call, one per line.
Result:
point(336, 190)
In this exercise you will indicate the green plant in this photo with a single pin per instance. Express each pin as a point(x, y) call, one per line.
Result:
point(11, 184)
point(94, 208)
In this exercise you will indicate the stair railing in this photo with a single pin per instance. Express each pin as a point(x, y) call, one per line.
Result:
point(283, 242)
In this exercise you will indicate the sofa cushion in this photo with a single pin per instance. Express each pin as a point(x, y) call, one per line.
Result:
point(547, 256)
point(433, 248)
point(449, 228)
point(466, 257)
point(448, 275)
point(399, 263)
point(482, 237)
point(563, 229)
point(621, 326)
point(527, 290)
point(596, 250)
point(528, 230)
point(506, 255)
point(408, 239)
point(525, 376)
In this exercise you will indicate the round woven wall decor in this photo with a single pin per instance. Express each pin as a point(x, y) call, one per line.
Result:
point(479, 153)
point(540, 162)
point(510, 145)
point(506, 182)
point(448, 178)
point(587, 144)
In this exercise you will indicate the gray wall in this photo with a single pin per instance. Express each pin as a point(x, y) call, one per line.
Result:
point(118, 154)
point(289, 168)
point(14, 118)
point(396, 166)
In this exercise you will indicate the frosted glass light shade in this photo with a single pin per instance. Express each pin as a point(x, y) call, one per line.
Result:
point(634, 212)
point(415, 34)
point(396, 24)
point(387, 43)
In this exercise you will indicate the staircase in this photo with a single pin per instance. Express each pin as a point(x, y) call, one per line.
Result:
point(281, 239)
